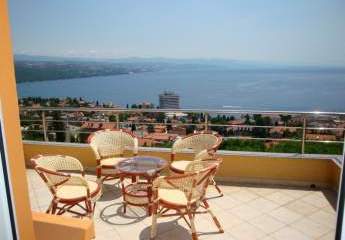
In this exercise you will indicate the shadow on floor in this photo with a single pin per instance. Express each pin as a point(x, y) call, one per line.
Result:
point(114, 215)
point(172, 231)
point(110, 192)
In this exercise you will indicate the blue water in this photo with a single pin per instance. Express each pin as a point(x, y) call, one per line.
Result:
point(208, 88)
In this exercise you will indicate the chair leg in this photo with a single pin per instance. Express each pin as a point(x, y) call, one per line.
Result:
point(89, 210)
point(124, 207)
point(217, 187)
point(192, 224)
point(154, 221)
point(98, 173)
point(214, 218)
point(54, 207)
point(93, 209)
point(50, 207)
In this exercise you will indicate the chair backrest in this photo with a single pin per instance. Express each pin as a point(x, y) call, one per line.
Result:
point(108, 143)
point(198, 142)
point(193, 184)
point(49, 167)
point(199, 165)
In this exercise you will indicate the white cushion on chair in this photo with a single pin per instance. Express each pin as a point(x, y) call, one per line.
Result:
point(180, 165)
point(111, 161)
point(76, 191)
point(173, 196)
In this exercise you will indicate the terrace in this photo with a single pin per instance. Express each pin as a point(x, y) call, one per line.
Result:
point(246, 211)
point(284, 195)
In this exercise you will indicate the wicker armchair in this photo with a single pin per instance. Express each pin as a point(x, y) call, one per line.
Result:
point(184, 194)
point(204, 145)
point(67, 190)
point(108, 147)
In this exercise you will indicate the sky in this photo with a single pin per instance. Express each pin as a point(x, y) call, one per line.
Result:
point(275, 31)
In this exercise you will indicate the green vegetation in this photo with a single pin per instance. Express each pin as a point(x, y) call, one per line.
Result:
point(281, 147)
point(285, 147)
point(222, 119)
point(243, 145)
point(164, 145)
point(324, 148)
point(33, 136)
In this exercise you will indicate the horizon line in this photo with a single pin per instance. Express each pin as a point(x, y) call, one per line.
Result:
point(339, 65)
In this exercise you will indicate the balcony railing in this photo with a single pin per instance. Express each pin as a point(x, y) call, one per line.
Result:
point(250, 130)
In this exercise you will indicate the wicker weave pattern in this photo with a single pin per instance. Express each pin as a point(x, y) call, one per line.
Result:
point(204, 154)
point(196, 142)
point(200, 165)
point(197, 165)
point(110, 143)
point(59, 163)
point(54, 164)
point(77, 181)
point(135, 199)
point(54, 179)
point(192, 184)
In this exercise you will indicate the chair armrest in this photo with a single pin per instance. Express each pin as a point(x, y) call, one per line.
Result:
point(77, 181)
point(136, 146)
point(205, 154)
point(175, 147)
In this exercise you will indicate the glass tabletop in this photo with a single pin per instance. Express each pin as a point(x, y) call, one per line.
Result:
point(142, 165)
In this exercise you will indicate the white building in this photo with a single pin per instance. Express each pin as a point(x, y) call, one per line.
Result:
point(169, 100)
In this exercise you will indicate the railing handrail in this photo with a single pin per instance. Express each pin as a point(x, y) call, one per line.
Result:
point(206, 122)
point(180, 110)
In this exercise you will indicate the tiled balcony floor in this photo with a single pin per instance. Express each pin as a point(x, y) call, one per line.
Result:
point(247, 212)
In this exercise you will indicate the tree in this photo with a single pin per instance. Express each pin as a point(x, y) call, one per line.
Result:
point(169, 127)
point(190, 129)
point(247, 119)
point(112, 118)
point(150, 128)
point(160, 117)
point(133, 127)
point(261, 132)
point(59, 126)
point(123, 117)
point(285, 119)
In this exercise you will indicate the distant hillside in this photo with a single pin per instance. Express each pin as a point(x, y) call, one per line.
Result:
point(43, 70)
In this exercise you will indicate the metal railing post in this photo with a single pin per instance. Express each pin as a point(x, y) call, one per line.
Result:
point(206, 121)
point(304, 134)
point(67, 131)
point(343, 143)
point(117, 121)
point(44, 125)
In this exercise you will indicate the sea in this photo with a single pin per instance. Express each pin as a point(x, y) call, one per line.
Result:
point(208, 88)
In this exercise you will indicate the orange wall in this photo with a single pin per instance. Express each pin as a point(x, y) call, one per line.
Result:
point(54, 227)
point(235, 168)
point(8, 98)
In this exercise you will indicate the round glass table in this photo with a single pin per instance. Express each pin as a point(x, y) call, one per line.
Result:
point(142, 170)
